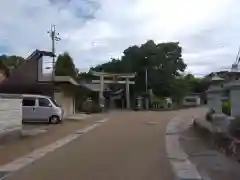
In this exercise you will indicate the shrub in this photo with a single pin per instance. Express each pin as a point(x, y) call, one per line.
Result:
point(96, 108)
point(91, 107)
point(226, 107)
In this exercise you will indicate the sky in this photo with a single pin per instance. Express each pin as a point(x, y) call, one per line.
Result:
point(93, 31)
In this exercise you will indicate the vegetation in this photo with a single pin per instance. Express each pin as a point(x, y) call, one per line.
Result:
point(91, 107)
point(165, 68)
point(162, 61)
point(65, 66)
point(11, 61)
point(226, 107)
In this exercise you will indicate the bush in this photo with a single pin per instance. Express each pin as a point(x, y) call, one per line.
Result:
point(91, 107)
point(226, 107)
point(96, 108)
point(87, 106)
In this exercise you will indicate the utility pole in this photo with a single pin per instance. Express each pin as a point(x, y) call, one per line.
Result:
point(146, 80)
point(54, 37)
point(146, 84)
point(146, 75)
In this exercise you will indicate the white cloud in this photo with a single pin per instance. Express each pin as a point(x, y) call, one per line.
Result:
point(93, 31)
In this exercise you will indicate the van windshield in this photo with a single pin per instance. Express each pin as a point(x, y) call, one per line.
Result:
point(55, 102)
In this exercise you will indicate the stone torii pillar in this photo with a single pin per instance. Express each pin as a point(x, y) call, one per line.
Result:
point(127, 93)
point(101, 97)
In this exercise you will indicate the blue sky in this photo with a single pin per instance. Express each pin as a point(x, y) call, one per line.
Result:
point(93, 31)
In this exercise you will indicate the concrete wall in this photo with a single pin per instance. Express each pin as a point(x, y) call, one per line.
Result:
point(235, 102)
point(66, 100)
point(10, 113)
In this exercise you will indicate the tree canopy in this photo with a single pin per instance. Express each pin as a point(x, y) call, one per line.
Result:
point(65, 66)
point(162, 61)
point(11, 61)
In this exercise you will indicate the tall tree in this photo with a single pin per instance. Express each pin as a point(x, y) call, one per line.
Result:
point(162, 61)
point(65, 66)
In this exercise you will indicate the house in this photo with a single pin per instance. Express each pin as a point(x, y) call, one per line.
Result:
point(29, 78)
point(222, 74)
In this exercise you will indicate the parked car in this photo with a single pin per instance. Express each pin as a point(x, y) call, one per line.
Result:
point(38, 108)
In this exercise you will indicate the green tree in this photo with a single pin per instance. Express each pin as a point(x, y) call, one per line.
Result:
point(163, 62)
point(65, 66)
point(12, 61)
point(179, 89)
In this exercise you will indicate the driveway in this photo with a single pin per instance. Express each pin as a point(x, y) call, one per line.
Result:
point(129, 146)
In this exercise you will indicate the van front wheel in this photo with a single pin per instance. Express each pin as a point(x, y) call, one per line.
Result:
point(54, 120)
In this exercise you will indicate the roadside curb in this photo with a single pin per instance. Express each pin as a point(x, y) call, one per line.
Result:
point(78, 117)
point(182, 167)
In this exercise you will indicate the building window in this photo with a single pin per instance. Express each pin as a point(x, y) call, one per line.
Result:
point(28, 102)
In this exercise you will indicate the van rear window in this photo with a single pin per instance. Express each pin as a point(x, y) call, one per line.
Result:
point(28, 102)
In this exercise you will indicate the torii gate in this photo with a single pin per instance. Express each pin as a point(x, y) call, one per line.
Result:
point(127, 81)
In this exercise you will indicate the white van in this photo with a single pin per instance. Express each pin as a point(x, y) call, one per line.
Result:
point(38, 108)
point(192, 101)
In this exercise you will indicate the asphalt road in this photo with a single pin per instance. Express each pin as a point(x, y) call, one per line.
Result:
point(129, 146)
